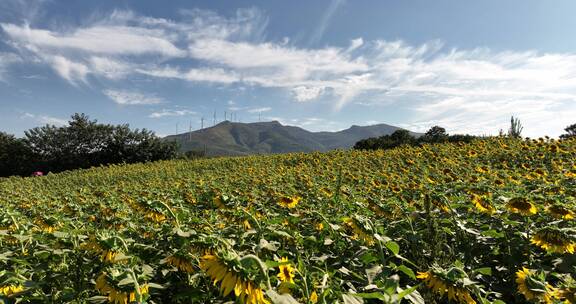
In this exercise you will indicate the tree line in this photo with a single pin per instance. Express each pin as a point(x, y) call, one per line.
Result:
point(401, 137)
point(83, 143)
point(438, 134)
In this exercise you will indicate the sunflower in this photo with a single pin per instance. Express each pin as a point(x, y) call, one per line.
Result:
point(443, 287)
point(217, 200)
point(568, 294)
point(522, 206)
point(289, 202)
point(314, 297)
point(108, 256)
point(117, 296)
point(155, 216)
point(559, 211)
point(554, 240)
point(245, 291)
point(482, 204)
point(359, 231)
point(540, 172)
point(533, 286)
point(9, 290)
point(179, 262)
point(482, 169)
point(376, 208)
point(48, 225)
point(285, 271)
point(441, 205)
point(396, 189)
point(326, 192)
point(472, 153)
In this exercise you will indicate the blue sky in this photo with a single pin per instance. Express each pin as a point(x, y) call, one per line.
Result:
point(322, 65)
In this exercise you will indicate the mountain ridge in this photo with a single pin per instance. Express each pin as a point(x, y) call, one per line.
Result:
point(235, 138)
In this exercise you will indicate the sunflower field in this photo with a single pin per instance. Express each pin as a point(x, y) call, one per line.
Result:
point(487, 222)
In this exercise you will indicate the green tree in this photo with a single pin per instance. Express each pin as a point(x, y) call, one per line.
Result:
point(398, 138)
point(85, 143)
point(14, 156)
point(402, 137)
point(516, 128)
point(436, 134)
point(570, 131)
point(77, 145)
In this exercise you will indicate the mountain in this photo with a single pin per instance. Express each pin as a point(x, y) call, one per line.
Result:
point(234, 138)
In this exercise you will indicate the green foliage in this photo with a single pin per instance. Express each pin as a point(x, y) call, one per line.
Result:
point(491, 221)
point(570, 131)
point(516, 128)
point(195, 154)
point(396, 139)
point(14, 155)
point(435, 134)
point(83, 143)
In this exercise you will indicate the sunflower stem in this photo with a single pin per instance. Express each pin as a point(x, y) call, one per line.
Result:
point(528, 241)
point(14, 222)
point(124, 245)
point(261, 265)
point(171, 213)
point(136, 286)
point(253, 219)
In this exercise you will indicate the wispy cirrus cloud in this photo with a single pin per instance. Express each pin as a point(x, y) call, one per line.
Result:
point(209, 75)
point(45, 119)
point(7, 59)
point(259, 110)
point(107, 40)
point(171, 113)
point(325, 20)
point(465, 90)
point(132, 98)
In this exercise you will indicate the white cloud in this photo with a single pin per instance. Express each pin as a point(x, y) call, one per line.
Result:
point(123, 43)
point(132, 98)
point(259, 110)
point(467, 89)
point(45, 119)
point(304, 93)
point(110, 68)
point(298, 62)
point(108, 40)
point(167, 113)
point(67, 69)
point(193, 75)
point(355, 44)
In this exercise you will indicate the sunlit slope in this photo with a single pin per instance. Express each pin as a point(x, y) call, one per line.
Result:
point(233, 138)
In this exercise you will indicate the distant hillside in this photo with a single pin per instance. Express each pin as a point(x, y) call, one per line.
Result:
point(233, 138)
